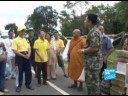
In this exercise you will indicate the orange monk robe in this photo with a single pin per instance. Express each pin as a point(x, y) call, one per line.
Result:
point(75, 59)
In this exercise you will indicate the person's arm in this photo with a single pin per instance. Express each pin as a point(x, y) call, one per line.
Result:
point(14, 48)
point(18, 53)
point(94, 45)
point(61, 47)
point(36, 48)
point(40, 56)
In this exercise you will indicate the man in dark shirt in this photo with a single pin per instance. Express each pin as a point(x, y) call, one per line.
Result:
point(31, 40)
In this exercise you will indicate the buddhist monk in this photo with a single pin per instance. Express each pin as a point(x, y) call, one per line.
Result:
point(75, 59)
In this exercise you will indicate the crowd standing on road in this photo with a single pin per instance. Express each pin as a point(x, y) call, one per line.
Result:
point(45, 52)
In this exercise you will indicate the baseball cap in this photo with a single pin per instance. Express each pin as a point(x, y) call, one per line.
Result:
point(20, 29)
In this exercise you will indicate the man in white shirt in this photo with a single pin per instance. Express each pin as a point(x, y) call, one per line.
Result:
point(11, 55)
point(2, 68)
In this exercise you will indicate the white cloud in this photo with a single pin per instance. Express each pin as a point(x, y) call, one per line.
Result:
point(17, 11)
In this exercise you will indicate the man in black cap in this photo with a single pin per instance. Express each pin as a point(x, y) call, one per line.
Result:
point(31, 40)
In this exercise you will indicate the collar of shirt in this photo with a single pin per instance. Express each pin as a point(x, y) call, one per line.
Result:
point(92, 28)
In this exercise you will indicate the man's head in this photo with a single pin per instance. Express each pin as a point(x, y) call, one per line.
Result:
point(21, 31)
point(42, 34)
point(56, 35)
point(11, 34)
point(90, 20)
point(101, 28)
point(76, 33)
point(31, 33)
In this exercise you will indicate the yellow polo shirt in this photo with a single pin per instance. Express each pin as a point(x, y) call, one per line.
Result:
point(59, 43)
point(41, 46)
point(20, 44)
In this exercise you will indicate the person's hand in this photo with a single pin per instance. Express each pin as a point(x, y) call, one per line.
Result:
point(81, 51)
point(27, 56)
point(41, 57)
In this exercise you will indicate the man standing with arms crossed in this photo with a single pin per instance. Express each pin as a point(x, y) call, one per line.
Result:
point(21, 48)
point(93, 62)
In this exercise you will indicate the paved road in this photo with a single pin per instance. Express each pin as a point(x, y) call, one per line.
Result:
point(55, 87)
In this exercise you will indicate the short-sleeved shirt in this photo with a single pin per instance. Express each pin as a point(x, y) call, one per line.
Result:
point(94, 59)
point(42, 46)
point(94, 39)
point(8, 44)
point(59, 43)
point(21, 44)
point(107, 44)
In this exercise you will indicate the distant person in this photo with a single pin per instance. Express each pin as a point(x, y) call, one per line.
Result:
point(11, 54)
point(107, 49)
point(22, 49)
point(2, 68)
point(41, 47)
point(59, 48)
point(93, 53)
point(52, 58)
point(76, 60)
point(31, 38)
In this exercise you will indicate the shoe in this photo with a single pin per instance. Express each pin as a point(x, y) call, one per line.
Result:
point(53, 78)
point(38, 85)
point(5, 91)
point(1, 93)
point(45, 83)
point(72, 86)
point(30, 87)
point(66, 76)
point(18, 89)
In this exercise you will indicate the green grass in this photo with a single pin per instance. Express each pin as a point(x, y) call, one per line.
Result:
point(111, 59)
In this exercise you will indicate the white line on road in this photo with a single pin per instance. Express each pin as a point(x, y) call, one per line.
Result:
point(55, 87)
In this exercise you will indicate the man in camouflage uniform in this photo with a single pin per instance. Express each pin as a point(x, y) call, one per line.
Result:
point(93, 61)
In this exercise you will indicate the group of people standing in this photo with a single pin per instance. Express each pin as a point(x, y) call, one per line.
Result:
point(45, 52)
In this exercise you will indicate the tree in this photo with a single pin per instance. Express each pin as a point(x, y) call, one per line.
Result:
point(13, 27)
point(122, 14)
point(43, 17)
point(106, 16)
point(71, 21)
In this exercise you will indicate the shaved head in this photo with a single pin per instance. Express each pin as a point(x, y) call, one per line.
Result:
point(76, 33)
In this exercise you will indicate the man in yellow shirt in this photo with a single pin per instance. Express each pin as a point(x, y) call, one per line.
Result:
point(21, 48)
point(41, 47)
point(59, 48)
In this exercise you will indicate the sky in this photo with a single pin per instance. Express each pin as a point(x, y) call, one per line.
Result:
point(17, 11)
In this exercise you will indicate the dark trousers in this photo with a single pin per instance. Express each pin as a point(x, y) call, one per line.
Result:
point(102, 70)
point(24, 65)
point(2, 74)
point(41, 67)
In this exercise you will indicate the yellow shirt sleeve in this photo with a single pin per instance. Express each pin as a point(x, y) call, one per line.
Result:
point(61, 44)
point(14, 45)
point(36, 45)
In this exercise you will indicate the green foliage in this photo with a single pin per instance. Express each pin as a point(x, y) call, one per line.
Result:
point(114, 18)
point(13, 27)
point(43, 17)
